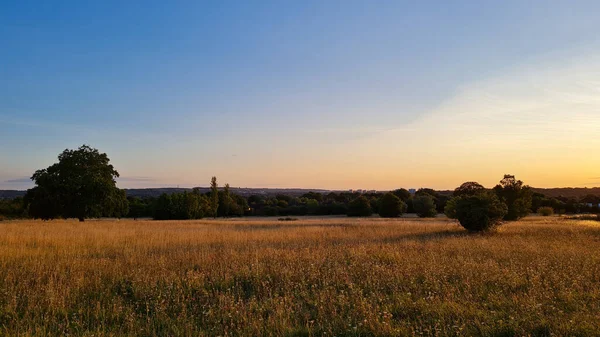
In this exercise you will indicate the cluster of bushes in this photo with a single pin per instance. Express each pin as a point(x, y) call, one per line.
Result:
point(195, 205)
point(545, 211)
point(566, 205)
point(13, 209)
point(308, 204)
point(425, 203)
point(478, 209)
point(182, 206)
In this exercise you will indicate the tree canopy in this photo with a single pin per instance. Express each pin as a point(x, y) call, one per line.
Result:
point(424, 206)
point(480, 211)
point(390, 206)
point(360, 207)
point(516, 196)
point(81, 185)
point(468, 188)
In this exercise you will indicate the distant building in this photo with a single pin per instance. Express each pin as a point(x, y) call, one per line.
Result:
point(412, 190)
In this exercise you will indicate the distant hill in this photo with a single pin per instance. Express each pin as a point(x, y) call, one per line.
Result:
point(569, 192)
point(11, 194)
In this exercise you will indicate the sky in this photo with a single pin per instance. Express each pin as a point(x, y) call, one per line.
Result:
point(309, 94)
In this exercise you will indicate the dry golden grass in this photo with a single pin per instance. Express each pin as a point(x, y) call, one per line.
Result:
point(352, 277)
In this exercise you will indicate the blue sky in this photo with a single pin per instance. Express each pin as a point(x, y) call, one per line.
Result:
point(316, 94)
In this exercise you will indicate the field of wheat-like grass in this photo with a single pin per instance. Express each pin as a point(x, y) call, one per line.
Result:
point(311, 277)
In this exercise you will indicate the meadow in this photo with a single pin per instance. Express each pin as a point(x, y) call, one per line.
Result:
point(310, 277)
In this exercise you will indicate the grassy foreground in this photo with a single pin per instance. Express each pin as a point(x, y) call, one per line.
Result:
point(321, 277)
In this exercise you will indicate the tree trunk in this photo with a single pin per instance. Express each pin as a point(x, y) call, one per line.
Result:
point(81, 219)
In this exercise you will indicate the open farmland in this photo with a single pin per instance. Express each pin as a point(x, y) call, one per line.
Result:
point(332, 276)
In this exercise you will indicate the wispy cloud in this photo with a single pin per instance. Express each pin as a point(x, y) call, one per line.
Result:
point(18, 181)
point(136, 179)
point(554, 102)
point(43, 124)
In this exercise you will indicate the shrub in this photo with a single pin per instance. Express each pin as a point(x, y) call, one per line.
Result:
point(479, 212)
point(546, 211)
point(390, 206)
point(516, 196)
point(450, 209)
point(424, 206)
point(359, 207)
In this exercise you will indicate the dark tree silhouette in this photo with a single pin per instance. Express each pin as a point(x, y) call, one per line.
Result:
point(479, 212)
point(390, 206)
point(515, 195)
point(424, 206)
point(468, 188)
point(214, 196)
point(81, 185)
point(403, 194)
point(360, 207)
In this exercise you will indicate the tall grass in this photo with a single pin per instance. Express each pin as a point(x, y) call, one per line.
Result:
point(342, 277)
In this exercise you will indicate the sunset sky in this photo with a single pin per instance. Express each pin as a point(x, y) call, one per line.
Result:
point(310, 94)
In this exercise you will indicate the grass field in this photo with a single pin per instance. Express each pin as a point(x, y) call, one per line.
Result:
point(311, 277)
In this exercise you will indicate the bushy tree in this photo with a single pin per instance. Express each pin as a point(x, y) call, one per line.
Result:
point(468, 188)
point(424, 206)
point(81, 185)
point(228, 205)
point(391, 206)
point(360, 207)
point(164, 208)
point(312, 206)
point(214, 196)
point(13, 208)
point(313, 195)
point(450, 209)
point(545, 211)
point(515, 195)
point(182, 206)
point(479, 212)
point(116, 204)
point(426, 191)
point(136, 208)
point(403, 194)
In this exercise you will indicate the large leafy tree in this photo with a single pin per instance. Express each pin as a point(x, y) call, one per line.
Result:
point(403, 194)
point(390, 206)
point(515, 195)
point(359, 207)
point(424, 206)
point(81, 185)
point(478, 212)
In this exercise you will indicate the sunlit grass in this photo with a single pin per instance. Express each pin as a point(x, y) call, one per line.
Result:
point(334, 276)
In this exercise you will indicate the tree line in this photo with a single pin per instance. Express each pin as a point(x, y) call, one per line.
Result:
point(82, 185)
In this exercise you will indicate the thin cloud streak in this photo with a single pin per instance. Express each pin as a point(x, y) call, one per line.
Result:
point(18, 181)
point(136, 179)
